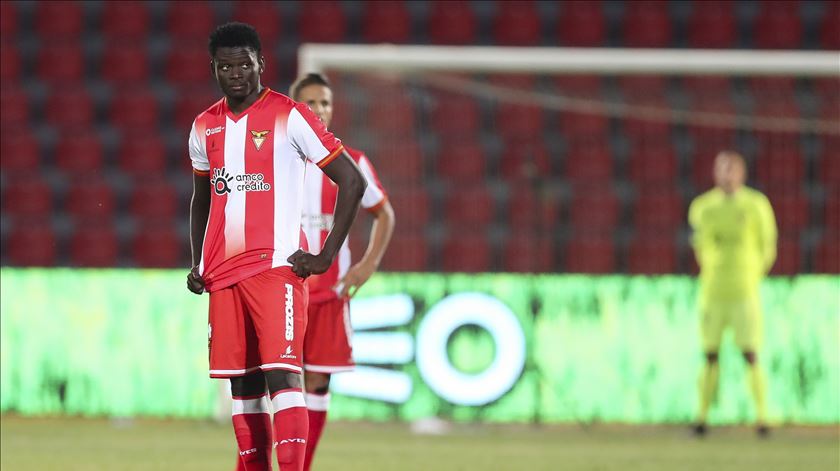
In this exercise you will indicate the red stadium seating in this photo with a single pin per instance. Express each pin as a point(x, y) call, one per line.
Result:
point(28, 197)
point(452, 22)
point(574, 124)
point(826, 256)
point(829, 162)
point(159, 247)
point(520, 81)
point(79, 153)
point(407, 252)
point(778, 25)
point(125, 20)
point(135, 110)
point(651, 254)
point(461, 160)
point(826, 89)
point(94, 246)
point(647, 23)
point(779, 162)
point(519, 121)
point(653, 162)
point(10, 63)
point(459, 116)
point(19, 151)
point(262, 15)
point(517, 23)
point(392, 115)
point(831, 210)
point(32, 245)
point(154, 201)
point(659, 211)
point(656, 129)
point(70, 108)
point(190, 102)
point(528, 253)
point(61, 63)
point(716, 89)
point(323, 22)
point(411, 204)
point(588, 160)
point(643, 87)
point(594, 209)
point(8, 20)
point(791, 209)
point(525, 159)
point(188, 64)
point(143, 154)
point(772, 89)
point(57, 20)
point(830, 27)
point(467, 252)
point(712, 25)
point(532, 209)
point(582, 24)
point(126, 64)
point(190, 20)
point(386, 22)
point(590, 253)
point(469, 206)
point(579, 86)
point(14, 108)
point(398, 161)
point(788, 260)
point(90, 199)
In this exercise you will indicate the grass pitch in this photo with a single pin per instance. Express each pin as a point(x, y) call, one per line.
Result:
point(70, 444)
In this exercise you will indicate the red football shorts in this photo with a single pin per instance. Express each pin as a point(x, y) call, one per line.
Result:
point(258, 323)
point(328, 347)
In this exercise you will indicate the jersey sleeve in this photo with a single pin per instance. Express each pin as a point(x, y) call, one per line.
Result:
point(198, 156)
point(374, 195)
point(767, 232)
point(310, 137)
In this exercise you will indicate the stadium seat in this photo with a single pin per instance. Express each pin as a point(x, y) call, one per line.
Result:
point(264, 16)
point(94, 246)
point(830, 27)
point(8, 20)
point(826, 255)
point(788, 259)
point(411, 203)
point(518, 81)
point(461, 160)
point(514, 120)
point(28, 197)
point(779, 162)
point(588, 160)
point(658, 210)
point(89, 200)
point(142, 154)
point(653, 162)
point(126, 64)
point(646, 23)
point(826, 89)
point(407, 252)
point(528, 253)
point(532, 209)
point(712, 25)
point(392, 115)
point(192, 20)
point(524, 159)
point(386, 22)
point(594, 208)
point(469, 206)
point(590, 253)
point(768, 90)
point(582, 24)
point(778, 25)
point(593, 125)
point(10, 63)
point(135, 110)
point(188, 64)
point(468, 252)
point(70, 108)
point(651, 254)
point(125, 20)
point(14, 108)
point(79, 153)
point(20, 151)
point(791, 209)
point(516, 23)
point(61, 63)
point(154, 200)
point(829, 161)
point(643, 88)
point(831, 210)
point(398, 161)
point(159, 246)
point(33, 244)
point(322, 22)
point(656, 129)
point(579, 86)
point(190, 103)
point(58, 20)
point(452, 22)
point(455, 116)
point(702, 89)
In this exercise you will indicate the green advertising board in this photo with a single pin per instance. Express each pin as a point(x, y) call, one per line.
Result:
point(493, 348)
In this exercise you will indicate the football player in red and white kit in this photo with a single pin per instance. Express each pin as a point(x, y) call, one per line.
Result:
point(327, 347)
point(249, 153)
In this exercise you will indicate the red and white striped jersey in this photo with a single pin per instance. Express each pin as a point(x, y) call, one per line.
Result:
point(318, 212)
point(256, 162)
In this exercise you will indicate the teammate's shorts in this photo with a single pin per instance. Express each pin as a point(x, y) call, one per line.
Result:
point(258, 323)
point(328, 345)
point(742, 315)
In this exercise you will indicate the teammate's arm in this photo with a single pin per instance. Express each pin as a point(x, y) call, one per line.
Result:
point(380, 236)
point(698, 242)
point(199, 212)
point(351, 186)
point(767, 233)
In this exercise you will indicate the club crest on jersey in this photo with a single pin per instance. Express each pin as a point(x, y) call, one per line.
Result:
point(221, 181)
point(259, 137)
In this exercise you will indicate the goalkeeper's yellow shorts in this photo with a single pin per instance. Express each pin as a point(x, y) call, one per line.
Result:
point(742, 315)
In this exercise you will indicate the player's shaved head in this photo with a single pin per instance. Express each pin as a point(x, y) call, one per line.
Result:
point(730, 171)
point(232, 35)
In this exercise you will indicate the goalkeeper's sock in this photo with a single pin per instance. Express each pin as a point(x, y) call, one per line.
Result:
point(252, 426)
point(758, 387)
point(291, 427)
point(708, 387)
point(316, 405)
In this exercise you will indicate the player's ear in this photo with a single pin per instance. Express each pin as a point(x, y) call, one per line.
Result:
point(261, 60)
point(212, 68)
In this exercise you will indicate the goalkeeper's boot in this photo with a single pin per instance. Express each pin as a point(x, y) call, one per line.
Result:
point(700, 430)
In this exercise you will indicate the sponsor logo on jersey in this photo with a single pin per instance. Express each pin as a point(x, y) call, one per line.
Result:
point(215, 130)
point(259, 137)
point(223, 182)
point(290, 314)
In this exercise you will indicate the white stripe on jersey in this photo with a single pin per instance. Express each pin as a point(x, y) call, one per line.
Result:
point(235, 165)
point(288, 203)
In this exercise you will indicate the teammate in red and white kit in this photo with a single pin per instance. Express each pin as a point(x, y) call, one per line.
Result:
point(249, 152)
point(327, 347)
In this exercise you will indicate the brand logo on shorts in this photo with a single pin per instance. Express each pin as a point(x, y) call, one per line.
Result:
point(288, 353)
point(290, 314)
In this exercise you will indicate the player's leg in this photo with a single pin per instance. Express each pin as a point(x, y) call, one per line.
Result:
point(748, 337)
point(712, 323)
point(291, 422)
point(251, 422)
point(317, 404)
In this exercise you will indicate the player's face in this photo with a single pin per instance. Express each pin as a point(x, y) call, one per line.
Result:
point(237, 70)
point(320, 100)
point(729, 172)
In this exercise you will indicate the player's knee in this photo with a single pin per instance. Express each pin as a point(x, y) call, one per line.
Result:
point(749, 357)
point(711, 357)
point(279, 380)
point(317, 383)
point(248, 385)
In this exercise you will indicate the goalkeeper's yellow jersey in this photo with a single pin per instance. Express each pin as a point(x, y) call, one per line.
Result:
point(734, 240)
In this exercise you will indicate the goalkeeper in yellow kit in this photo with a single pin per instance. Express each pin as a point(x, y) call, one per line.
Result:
point(735, 245)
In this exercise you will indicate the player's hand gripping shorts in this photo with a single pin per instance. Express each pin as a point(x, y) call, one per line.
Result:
point(742, 315)
point(328, 346)
point(258, 323)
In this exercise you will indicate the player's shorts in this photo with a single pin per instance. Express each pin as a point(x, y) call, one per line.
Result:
point(742, 315)
point(328, 346)
point(258, 323)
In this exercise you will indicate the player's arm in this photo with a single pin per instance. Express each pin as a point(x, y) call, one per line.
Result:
point(698, 236)
point(199, 212)
point(767, 232)
point(380, 236)
point(351, 186)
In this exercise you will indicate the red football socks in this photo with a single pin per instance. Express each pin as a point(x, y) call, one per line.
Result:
point(317, 405)
point(291, 426)
point(252, 426)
